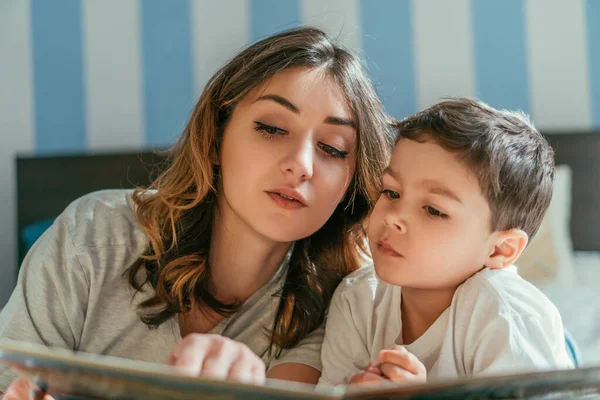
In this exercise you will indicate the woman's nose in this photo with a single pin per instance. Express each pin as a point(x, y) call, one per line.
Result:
point(299, 162)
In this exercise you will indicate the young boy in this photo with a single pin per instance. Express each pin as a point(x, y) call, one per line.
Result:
point(466, 188)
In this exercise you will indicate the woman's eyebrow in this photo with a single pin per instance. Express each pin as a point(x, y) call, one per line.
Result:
point(280, 100)
point(290, 106)
point(340, 121)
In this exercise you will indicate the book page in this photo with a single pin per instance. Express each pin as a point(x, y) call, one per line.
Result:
point(66, 373)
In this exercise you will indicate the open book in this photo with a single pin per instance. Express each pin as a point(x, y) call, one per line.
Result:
point(68, 374)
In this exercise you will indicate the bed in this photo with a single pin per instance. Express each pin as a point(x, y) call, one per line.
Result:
point(46, 185)
point(574, 288)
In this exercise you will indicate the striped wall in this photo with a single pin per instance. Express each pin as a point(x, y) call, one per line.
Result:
point(78, 75)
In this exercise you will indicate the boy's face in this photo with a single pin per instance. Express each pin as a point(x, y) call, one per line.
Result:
point(431, 227)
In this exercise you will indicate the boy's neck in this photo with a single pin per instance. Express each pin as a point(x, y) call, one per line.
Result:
point(420, 309)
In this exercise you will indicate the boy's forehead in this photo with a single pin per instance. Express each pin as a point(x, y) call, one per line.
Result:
point(428, 164)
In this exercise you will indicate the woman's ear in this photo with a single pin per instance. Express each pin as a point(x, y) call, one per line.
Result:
point(507, 246)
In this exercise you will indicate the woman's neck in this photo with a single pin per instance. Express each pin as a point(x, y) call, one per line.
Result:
point(241, 260)
point(420, 309)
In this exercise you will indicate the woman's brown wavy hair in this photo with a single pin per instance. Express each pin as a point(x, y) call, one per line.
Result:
point(177, 214)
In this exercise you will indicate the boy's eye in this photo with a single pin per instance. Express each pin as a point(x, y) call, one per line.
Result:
point(268, 130)
point(390, 194)
point(435, 212)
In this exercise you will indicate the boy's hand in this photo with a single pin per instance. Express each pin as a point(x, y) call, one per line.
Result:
point(401, 366)
point(369, 375)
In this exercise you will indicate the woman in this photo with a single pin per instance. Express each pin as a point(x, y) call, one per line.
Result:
point(227, 265)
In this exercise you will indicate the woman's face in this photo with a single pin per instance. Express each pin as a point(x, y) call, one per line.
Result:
point(287, 156)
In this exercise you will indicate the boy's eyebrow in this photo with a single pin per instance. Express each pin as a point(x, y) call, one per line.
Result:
point(388, 170)
point(436, 187)
point(290, 106)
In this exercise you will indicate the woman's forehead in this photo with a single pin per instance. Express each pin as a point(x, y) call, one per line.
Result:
point(305, 88)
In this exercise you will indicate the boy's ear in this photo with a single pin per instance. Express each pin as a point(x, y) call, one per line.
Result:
point(506, 247)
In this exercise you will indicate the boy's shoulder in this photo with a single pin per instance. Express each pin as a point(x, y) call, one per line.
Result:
point(506, 293)
point(359, 280)
point(361, 285)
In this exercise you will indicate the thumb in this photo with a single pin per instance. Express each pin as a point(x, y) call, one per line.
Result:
point(22, 389)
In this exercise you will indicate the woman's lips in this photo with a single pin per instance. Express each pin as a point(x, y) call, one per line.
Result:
point(285, 201)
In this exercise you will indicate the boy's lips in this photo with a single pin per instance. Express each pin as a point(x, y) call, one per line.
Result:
point(386, 249)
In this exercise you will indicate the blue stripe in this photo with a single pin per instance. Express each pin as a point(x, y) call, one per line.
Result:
point(387, 41)
point(592, 13)
point(500, 52)
point(58, 75)
point(167, 65)
point(271, 16)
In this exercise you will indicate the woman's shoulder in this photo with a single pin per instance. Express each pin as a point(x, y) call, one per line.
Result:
point(104, 218)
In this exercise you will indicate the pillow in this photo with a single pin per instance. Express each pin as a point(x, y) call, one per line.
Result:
point(549, 256)
point(32, 232)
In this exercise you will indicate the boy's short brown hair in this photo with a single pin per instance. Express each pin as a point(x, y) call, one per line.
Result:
point(513, 162)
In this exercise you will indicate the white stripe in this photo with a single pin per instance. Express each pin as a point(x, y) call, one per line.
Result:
point(339, 18)
point(16, 125)
point(558, 67)
point(112, 73)
point(443, 50)
point(219, 30)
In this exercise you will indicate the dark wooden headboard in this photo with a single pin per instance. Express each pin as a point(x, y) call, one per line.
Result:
point(581, 152)
point(48, 184)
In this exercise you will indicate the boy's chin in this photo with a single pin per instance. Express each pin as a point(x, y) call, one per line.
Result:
point(390, 274)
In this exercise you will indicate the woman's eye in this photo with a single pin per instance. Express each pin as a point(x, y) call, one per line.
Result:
point(390, 194)
point(333, 152)
point(268, 130)
point(435, 212)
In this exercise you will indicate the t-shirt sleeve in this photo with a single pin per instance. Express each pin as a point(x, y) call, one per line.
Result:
point(344, 350)
point(307, 351)
point(513, 344)
point(48, 305)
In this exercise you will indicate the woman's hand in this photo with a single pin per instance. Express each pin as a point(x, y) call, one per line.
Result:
point(401, 366)
point(218, 357)
point(20, 389)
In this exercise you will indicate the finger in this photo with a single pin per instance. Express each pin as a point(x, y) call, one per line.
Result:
point(189, 354)
point(397, 374)
point(374, 369)
point(178, 350)
point(248, 368)
point(219, 360)
point(19, 389)
point(402, 358)
point(366, 377)
point(259, 373)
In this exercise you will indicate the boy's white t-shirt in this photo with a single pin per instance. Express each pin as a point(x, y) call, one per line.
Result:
point(498, 323)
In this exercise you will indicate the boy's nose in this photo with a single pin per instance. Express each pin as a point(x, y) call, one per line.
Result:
point(395, 222)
